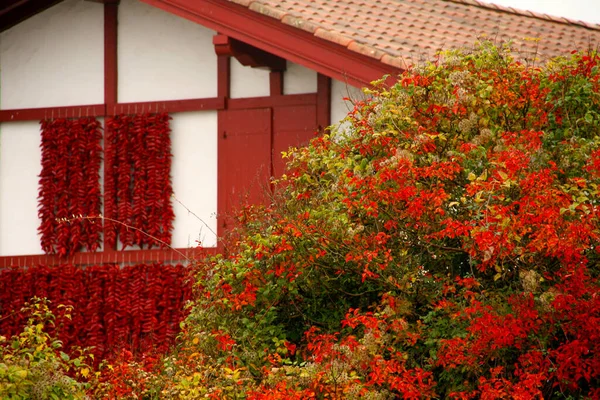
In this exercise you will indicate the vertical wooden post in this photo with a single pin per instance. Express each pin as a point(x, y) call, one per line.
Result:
point(110, 84)
point(223, 51)
point(276, 83)
point(110, 52)
point(323, 102)
point(223, 76)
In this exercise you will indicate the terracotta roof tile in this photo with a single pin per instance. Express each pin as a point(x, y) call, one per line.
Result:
point(268, 10)
point(333, 36)
point(403, 32)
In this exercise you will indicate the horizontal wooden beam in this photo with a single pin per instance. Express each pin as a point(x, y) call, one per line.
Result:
point(38, 114)
point(246, 54)
point(169, 106)
point(102, 110)
point(109, 257)
point(272, 101)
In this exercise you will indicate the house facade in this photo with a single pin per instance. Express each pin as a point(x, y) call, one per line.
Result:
point(229, 121)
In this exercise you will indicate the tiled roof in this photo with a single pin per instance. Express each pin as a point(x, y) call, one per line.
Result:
point(404, 32)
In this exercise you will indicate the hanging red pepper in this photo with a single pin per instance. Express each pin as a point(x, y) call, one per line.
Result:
point(138, 308)
point(91, 197)
point(70, 185)
point(48, 185)
point(113, 127)
point(138, 184)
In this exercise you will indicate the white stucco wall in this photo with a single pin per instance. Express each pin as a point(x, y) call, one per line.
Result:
point(340, 107)
point(165, 57)
point(162, 56)
point(248, 82)
point(298, 79)
point(20, 165)
point(194, 174)
point(54, 58)
point(254, 82)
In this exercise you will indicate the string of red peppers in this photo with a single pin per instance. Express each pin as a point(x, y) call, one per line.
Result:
point(138, 184)
point(137, 308)
point(70, 185)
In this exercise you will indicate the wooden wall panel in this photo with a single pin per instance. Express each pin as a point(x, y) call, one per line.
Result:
point(293, 126)
point(244, 160)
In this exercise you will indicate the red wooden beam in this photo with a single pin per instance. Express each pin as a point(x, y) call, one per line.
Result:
point(271, 101)
point(223, 76)
point(169, 106)
point(275, 37)
point(276, 83)
point(111, 72)
point(112, 256)
point(110, 53)
point(37, 114)
point(101, 110)
point(247, 55)
point(323, 101)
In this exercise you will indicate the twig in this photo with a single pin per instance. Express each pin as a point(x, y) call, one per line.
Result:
point(102, 217)
point(194, 214)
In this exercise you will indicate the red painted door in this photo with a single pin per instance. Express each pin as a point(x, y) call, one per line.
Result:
point(245, 165)
point(250, 146)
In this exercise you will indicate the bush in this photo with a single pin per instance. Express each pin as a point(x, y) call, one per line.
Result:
point(442, 243)
point(33, 367)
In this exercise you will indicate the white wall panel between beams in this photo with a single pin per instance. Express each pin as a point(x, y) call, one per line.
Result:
point(54, 58)
point(194, 174)
point(162, 56)
point(247, 81)
point(298, 79)
point(20, 165)
point(339, 106)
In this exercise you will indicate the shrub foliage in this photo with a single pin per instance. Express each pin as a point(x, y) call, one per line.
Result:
point(441, 243)
point(32, 365)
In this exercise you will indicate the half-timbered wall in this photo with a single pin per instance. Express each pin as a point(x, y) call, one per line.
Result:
point(162, 56)
point(254, 82)
point(42, 64)
point(248, 82)
point(339, 106)
point(298, 79)
point(20, 159)
point(194, 173)
point(163, 63)
point(165, 57)
point(54, 58)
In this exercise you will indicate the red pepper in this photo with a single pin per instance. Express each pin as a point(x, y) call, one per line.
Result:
point(138, 184)
point(70, 185)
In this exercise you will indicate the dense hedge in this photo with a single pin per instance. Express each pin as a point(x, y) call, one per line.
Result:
point(442, 243)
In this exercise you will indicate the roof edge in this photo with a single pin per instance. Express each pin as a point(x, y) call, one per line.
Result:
point(527, 13)
point(284, 38)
